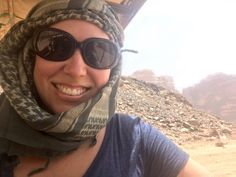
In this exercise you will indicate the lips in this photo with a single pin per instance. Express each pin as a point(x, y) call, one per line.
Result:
point(71, 91)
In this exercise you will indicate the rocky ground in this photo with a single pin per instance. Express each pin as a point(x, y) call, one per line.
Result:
point(170, 112)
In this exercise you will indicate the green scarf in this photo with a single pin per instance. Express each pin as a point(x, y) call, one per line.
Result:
point(27, 128)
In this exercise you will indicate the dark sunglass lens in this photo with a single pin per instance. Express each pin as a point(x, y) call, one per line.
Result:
point(100, 54)
point(54, 45)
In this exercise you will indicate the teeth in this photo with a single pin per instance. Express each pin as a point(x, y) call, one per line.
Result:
point(71, 91)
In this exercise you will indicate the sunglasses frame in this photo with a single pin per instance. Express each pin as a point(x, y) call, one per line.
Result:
point(77, 45)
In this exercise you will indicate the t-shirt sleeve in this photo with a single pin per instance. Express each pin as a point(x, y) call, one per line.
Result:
point(161, 157)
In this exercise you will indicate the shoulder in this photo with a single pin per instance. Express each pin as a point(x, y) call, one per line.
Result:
point(133, 124)
point(150, 138)
point(130, 125)
point(125, 120)
point(124, 128)
point(157, 151)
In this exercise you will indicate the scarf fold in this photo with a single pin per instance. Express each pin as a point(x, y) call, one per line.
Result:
point(24, 124)
point(18, 138)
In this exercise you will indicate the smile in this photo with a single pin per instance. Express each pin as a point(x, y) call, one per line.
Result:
point(71, 91)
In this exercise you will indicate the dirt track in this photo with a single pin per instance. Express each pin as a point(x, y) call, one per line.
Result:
point(221, 161)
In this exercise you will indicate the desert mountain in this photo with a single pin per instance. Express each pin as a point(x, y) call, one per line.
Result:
point(149, 76)
point(215, 94)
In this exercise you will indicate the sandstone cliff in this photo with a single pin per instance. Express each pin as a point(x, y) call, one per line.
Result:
point(215, 94)
point(149, 76)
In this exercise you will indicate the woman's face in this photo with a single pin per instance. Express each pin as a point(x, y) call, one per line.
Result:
point(65, 84)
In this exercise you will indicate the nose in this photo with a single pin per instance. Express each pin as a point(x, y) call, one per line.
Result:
point(75, 65)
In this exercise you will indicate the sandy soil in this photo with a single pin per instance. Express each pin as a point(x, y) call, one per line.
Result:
point(221, 161)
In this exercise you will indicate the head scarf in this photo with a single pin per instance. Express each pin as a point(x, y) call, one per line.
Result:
point(25, 126)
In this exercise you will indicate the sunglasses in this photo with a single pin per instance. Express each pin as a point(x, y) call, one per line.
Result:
point(56, 45)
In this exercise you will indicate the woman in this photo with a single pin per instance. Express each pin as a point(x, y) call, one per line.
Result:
point(60, 69)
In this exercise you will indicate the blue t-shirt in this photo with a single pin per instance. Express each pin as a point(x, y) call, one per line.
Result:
point(131, 148)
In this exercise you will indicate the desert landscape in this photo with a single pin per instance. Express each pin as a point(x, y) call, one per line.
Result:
point(220, 161)
point(207, 138)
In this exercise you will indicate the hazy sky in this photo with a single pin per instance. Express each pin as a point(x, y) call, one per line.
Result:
point(185, 39)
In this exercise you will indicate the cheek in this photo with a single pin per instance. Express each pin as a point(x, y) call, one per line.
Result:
point(44, 68)
point(40, 70)
point(43, 71)
point(101, 77)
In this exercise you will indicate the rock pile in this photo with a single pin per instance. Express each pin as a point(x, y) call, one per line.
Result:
point(169, 111)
